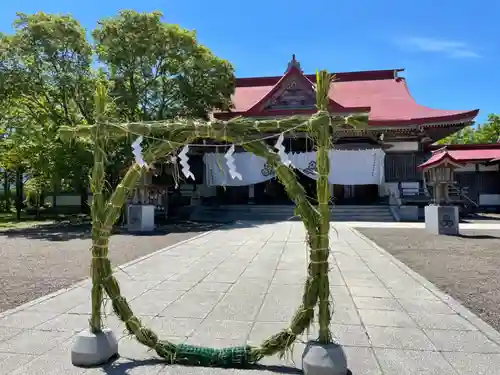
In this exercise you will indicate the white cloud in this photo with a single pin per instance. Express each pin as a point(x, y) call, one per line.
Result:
point(449, 48)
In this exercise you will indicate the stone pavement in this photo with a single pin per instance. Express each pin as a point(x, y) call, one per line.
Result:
point(478, 225)
point(243, 284)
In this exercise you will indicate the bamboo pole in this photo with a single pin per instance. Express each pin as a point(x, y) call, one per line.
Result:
point(321, 133)
point(248, 129)
point(99, 241)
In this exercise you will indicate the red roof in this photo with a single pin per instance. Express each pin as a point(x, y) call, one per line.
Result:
point(475, 155)
point(462, 155)
point(381, 93)
point(439, 157)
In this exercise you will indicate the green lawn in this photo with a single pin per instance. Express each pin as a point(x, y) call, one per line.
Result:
point(8, 220)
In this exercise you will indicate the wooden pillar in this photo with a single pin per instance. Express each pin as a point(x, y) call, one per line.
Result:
point(251, 193)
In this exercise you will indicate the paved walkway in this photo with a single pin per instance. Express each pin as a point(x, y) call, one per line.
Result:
point(231, 286)
point(478, 225)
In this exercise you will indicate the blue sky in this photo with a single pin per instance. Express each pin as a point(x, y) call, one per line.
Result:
point(449, 48)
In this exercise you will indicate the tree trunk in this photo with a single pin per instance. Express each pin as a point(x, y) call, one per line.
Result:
point(6, 189)
point(84, 199)
point(39, 203)
point(55, 192)
point(19, 192)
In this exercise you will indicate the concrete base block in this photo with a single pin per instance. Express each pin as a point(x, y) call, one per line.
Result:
point(92, 349)
point(319, 359)
point(442, 219)
point(141, 218)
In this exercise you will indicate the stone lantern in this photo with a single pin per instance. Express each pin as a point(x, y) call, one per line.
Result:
point(439, 171)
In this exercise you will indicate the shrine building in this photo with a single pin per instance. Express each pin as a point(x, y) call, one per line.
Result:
point(376, 165)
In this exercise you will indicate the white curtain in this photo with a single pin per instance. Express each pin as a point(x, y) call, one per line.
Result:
point(305, 162)
point(357, 167)
point(253, 169)
point(347, 167)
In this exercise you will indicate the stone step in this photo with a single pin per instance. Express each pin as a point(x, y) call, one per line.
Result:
point(286, 212)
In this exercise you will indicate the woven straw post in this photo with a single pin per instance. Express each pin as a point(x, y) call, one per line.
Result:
point(100, 233)
point(321, 133)
point(239, 131)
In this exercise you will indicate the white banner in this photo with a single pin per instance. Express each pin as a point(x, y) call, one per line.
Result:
point(357, 167)
point(347, 167)
point(253, 170)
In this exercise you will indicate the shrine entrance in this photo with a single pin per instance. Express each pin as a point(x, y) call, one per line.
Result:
point(272, 192)
point(355, 194)
point(232, 194)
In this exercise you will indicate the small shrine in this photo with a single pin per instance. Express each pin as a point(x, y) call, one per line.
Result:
point(441, 216)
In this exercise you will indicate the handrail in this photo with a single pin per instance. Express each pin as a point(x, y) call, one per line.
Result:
point(462, 191)
point(453, 190)
point(395, 205)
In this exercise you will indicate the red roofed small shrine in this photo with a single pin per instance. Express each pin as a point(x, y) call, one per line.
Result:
point(439, 158)
point(463, 154)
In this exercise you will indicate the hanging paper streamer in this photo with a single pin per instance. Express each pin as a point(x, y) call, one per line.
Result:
point(137, 152)
point(184, 162)
point(230, 164)
point(175, 170)
point(282, 151)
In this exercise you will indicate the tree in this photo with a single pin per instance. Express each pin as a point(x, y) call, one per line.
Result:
point(159, 70)
point(488, 132)
point(46, 82)
point(153, 71)
point(466, 135)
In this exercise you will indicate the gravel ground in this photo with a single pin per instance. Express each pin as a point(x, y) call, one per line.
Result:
point(38, 261)
point(466, 267)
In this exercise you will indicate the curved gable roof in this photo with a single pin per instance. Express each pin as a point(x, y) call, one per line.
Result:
point(294, 73)
point(381, 93)
point(392, 104)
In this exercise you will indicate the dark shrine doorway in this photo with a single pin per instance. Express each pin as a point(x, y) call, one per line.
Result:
point(355, 194)
point(232, 194)
point(273, 192)
point(270, 192)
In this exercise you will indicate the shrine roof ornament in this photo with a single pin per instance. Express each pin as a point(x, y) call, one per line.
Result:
point(293, 63)
point(293, 77)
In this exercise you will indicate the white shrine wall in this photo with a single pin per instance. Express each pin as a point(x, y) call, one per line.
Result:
point(402, 146)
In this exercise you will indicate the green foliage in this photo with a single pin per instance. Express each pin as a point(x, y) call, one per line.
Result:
point(466, 135)
point(159, 70)
point(489, 132)
point(153, 70)
point(46, 80)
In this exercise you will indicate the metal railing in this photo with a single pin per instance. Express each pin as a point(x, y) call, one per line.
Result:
point(416, 195)
point(462, 192)
point(395, 203)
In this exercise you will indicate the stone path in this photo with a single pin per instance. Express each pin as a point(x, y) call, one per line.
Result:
point(232, 286)
point(478, 225)
point(41, 260)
